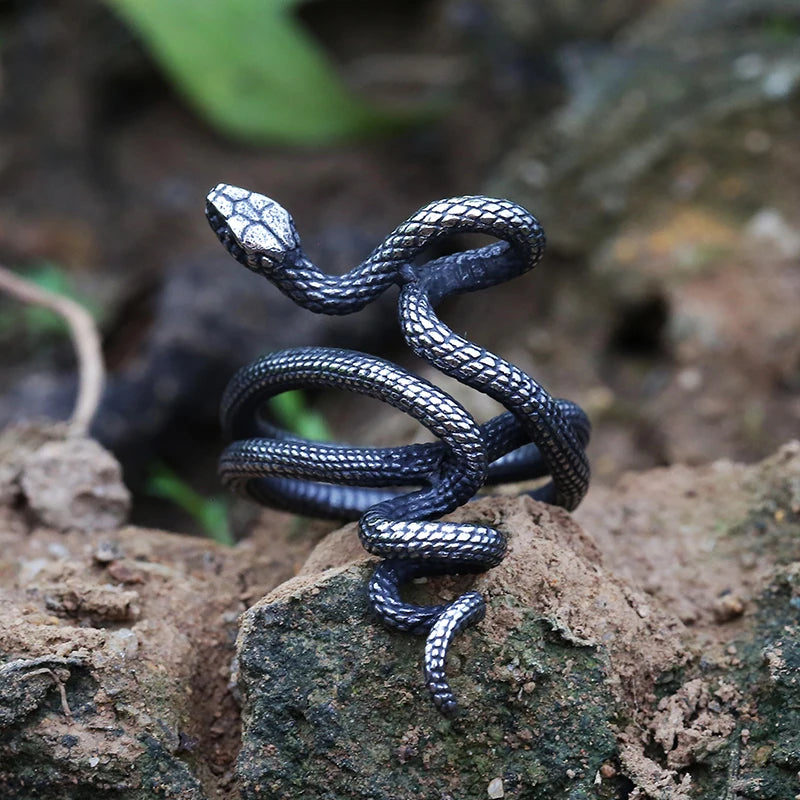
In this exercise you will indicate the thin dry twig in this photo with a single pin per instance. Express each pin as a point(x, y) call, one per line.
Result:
point(59, 682)
point(85, 337)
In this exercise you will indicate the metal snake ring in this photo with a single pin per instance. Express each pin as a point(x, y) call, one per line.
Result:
point(536, 437)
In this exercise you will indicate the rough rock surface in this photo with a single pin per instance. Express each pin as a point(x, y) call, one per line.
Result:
point(115, 642)
point(647, 650)
point(335, 706)
point(64, 481)
point(112, 646)
point(580, 682)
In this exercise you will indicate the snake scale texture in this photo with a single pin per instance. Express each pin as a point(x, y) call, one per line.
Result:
point(537, 436)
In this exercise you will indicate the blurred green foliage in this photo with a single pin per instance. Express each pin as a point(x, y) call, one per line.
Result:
point(250, 69)
point(291, 410)
point(211, 513)
point(782, 27)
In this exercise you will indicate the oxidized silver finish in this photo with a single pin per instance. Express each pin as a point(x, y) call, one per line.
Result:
point(536, 437)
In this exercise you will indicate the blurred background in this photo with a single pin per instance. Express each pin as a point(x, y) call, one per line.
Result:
point(658, 141)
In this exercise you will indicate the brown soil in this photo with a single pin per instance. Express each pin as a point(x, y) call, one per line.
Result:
point(150, 617)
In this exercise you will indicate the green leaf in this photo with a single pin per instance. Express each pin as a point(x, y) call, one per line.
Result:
point(292, 411)
point(250, 69)
point(210, 512)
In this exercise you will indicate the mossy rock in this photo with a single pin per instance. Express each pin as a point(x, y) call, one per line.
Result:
point(336, 707)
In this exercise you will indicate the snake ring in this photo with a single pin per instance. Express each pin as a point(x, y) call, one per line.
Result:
point(538, 436)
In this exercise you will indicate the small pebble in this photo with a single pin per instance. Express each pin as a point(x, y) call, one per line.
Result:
point(57, 550)
point(107, 551)
point(728, 607)
point(748, 559)
point(123, 642)
point(608, 770)
point(121, 572)
point(495, 789)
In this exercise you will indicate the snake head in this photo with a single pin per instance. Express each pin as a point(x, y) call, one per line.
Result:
point(255, 230)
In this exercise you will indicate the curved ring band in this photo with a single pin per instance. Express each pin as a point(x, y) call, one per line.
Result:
point(537, 436)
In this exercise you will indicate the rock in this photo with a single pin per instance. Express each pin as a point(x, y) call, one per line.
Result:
point(108, 691)
point(333, 703)
point(17, 443)
point(700, 539)
point(65, 481)
point(604, 667)
point(116, 643)
point(75, 483)
point(495, 789)
point(581, 682)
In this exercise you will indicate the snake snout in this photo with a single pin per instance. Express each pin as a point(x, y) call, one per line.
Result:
point(255, 230)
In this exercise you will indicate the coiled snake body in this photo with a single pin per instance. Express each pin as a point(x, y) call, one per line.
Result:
point(537, 436)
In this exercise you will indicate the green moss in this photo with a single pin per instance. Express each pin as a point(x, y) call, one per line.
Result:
point(760, 759)
point(770, 672)
point(38, 760)
point(335, 706)
point(164, 776)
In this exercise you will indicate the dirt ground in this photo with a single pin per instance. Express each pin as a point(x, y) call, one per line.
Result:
point(672, 576)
